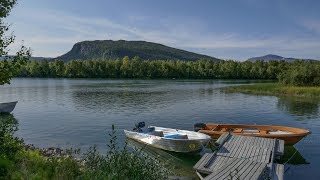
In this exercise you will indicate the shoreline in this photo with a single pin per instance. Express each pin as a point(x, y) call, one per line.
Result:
point(275, 89)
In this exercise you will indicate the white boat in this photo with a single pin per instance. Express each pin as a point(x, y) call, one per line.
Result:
point(7, 107)
point(175, 140)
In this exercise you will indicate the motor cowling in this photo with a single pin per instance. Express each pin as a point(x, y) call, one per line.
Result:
point(199, 126)
point(139, 126)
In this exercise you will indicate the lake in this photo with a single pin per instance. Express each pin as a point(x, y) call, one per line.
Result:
point(80, 112)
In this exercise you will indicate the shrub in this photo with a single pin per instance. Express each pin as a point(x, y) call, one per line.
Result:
point(301, 74)
point(16, 162)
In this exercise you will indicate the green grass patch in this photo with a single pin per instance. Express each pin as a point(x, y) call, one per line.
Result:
point(275, 89)
point(18, 162)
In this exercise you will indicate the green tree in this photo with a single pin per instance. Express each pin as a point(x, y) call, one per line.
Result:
point(10, 65)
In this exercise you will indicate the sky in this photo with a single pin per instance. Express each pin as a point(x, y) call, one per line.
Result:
point(228, 29)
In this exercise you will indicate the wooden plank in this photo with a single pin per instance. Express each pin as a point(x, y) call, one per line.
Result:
point(272, 159)
point(245, 156)
point(262, 154)
point(236, 146)
point(219, 172)
point(246, 172)
point(200, 162)
point(262, 142)
point(266, 155)
point(221, 145)
point(279, 147)
point(231, 145)
point(256, 154)
point(245, 167)
point(256, 173)
point(279, 172)
point(225, 149)
point(250, 152)
point(223, 171)
point(244, 150)
point(269, 143)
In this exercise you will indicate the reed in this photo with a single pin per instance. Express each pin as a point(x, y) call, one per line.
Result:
point(275, 89)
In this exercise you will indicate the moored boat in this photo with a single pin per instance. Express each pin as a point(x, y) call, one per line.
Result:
point(175, 140)
point(7, 107)
point(290, 135)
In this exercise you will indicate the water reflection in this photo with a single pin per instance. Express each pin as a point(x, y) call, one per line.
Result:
point(299, 106)
point(119, 100)
point(180, 164)
point(292, 156)
point(134, 97)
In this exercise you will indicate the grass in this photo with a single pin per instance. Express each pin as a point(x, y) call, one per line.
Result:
point(275, 89)
point(17, 162)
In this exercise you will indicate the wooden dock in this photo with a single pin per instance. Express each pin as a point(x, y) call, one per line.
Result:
point(242, 157)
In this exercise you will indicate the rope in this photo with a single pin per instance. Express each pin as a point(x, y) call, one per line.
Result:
point(293, 156)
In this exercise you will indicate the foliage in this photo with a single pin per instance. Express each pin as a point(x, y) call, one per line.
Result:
point(275, 89)
point(122, 164)
point(9, 145)
point(10, 65)
point(17, 162)
point(108, 49)
point(301, 74)
point(137, 68)
point(297, 73)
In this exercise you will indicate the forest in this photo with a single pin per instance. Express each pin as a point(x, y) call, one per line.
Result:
point(297, 73)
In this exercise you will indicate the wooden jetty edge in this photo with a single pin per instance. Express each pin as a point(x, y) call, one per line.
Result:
point(242, 157)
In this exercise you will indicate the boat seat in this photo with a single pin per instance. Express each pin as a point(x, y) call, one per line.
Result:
point(176, 136)
point(224, 129)
point(263, 132)
point(156, 133)
point(148, 130)
point(237, 130)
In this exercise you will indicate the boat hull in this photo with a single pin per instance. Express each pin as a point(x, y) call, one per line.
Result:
point(7, 107)
point(177, 145)
point(295, 135)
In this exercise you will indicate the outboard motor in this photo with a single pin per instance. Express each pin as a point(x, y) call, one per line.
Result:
point(199, 126)
point(139, 125)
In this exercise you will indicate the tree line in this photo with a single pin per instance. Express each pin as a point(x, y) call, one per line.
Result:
point(295, 73)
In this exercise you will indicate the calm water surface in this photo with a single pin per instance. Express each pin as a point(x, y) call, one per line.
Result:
point(79, 113)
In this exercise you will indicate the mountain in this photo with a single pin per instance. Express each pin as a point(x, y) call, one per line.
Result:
point(35, 58)
point(272, 57)
point(108, 49)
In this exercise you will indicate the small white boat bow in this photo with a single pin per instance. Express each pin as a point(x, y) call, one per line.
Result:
point(170, 139)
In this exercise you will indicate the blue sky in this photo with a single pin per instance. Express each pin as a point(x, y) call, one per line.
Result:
point(229, 29)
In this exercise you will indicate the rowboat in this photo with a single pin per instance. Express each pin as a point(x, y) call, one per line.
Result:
point(168, 139)
point(7, 107)
point(290, 135)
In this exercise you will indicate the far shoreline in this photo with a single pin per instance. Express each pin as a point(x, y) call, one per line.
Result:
point(275, 89)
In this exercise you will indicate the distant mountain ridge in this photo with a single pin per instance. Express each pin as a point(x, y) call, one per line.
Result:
point(272, 57)
point(109, 49)
point(35, 58)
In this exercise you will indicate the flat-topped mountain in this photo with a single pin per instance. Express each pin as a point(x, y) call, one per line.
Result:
point(272, 57)
point(108, 49)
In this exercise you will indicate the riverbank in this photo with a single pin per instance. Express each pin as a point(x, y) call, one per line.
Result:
point(275, 89)
point(21, 161)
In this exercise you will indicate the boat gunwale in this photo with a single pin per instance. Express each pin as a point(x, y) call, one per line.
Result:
point(171, 139)
point(294, 131)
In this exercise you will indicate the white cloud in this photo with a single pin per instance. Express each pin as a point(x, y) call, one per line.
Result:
point(311, 24)
point(54, 33)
